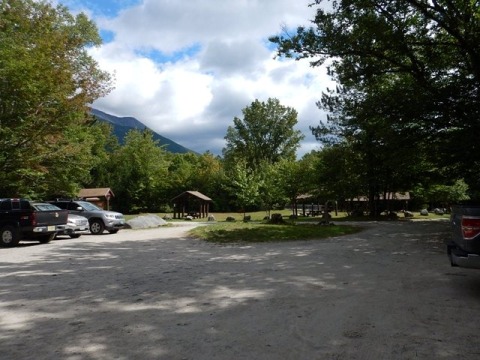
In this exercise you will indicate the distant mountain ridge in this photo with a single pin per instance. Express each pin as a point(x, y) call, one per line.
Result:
point(122, 125)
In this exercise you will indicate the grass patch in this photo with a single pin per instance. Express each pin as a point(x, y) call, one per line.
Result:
point(253, 232)
point(260, 215)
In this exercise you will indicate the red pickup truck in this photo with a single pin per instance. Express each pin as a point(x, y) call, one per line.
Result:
point(21, 219)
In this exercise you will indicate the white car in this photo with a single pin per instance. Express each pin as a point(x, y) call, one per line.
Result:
point(76, 226)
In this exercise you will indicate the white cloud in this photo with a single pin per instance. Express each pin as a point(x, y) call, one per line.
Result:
point(192, 97)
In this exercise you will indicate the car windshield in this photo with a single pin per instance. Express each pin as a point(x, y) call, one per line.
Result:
point(88, 206)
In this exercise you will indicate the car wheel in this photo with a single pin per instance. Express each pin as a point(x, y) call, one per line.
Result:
point(449, 252)
point(113, 231)
point(97, 227)
point(74, 236)
point(44, 239)
point(9, 236)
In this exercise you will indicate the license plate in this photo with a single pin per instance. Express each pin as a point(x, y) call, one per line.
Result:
point(51, 228)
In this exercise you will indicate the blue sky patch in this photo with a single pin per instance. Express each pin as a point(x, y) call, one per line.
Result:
point(161, 58)
point(105, 8)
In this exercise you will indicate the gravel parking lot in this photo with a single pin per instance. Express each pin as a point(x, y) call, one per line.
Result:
point(385, 293)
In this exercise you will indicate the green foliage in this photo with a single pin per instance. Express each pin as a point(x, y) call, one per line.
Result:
point(265, 135)
point(140, 168)
point(295, 178)
point(105, 144)
point(409, 75)
point(244, 185)
point(203, 173)
point(338, 173)
point(47, 80)
point(271, 190)
point(440, 195)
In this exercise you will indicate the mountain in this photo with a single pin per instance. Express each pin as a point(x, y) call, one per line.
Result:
point(122, 125)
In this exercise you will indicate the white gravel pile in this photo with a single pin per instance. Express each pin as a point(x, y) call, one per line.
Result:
point(146, 222)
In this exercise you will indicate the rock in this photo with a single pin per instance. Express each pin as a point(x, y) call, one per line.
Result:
point(146, 221)
point(211, 218)
point(230, 218)
point(424, 212)
point(276, 219)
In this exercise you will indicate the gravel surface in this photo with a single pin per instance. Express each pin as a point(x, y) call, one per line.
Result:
point(385, 293)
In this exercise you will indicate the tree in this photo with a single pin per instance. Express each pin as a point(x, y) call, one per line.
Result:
point(271, 189)
point(105, 145)
point(47, 80)
point(190, 171)
point(141, 167)
point(416, 61)
point(243, 185)
point(440, 195)
point(265, 135)
point(296, 178)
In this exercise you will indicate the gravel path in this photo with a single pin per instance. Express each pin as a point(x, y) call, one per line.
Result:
point(385, 293)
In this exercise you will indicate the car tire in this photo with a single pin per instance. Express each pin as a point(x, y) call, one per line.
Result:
point(9, 236)
point(450, 257)
point(74, 236)
point(97, 227)
point(45, 239)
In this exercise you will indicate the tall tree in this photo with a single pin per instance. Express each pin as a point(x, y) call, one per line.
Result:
point(141, 167)
point(416, 61)
point(243, 185)
point(296, 178)
point(265, 134)
point(47, 80)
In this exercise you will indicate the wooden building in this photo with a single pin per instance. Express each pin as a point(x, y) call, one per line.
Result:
point(98, 196)
point(191, 203)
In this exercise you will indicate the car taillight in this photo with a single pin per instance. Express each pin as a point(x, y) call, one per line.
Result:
point(33, 219)
point(470, 227)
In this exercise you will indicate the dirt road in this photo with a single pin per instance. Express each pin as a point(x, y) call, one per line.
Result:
point(385, 293)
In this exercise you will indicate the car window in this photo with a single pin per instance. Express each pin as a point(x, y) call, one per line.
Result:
point(5, 205)
point(61, 205)
point(72, 206)
point(24, 205)
point(88, 206)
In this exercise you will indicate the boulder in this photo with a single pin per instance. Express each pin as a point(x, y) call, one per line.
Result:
point(276, 219)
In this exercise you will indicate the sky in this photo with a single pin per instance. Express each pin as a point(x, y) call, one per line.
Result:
point(186, 69)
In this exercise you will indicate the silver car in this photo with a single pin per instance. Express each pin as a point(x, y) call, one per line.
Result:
point(76, 226)
point(98, 219)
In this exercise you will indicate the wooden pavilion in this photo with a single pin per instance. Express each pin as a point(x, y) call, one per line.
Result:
point(191, 203)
